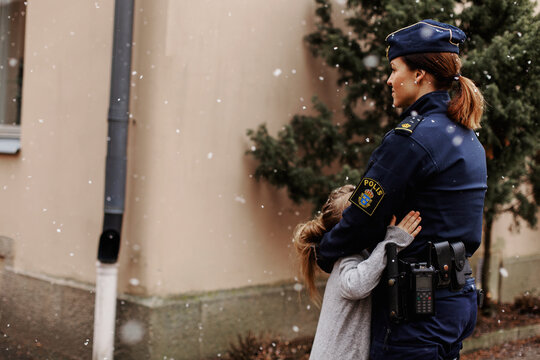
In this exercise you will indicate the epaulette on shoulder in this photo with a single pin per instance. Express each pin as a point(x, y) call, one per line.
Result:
point(407, 126)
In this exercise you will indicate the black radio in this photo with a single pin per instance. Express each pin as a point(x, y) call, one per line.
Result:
point(410, 287)
point(422, 278)
point(412, 281)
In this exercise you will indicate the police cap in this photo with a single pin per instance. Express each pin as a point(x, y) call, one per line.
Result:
point(426, 36)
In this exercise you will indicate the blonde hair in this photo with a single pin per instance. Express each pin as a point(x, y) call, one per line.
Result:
point(467, 103)
point(309, 234)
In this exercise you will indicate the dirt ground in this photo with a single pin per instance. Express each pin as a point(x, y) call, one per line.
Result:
point(527, 349)
point(505, 316)
point(508, 316)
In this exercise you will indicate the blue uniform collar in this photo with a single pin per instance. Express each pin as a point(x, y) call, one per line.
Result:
point(433, 102)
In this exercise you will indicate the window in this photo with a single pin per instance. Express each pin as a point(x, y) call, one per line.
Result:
point(12, 21)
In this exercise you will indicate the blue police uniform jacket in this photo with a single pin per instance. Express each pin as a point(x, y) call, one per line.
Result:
point(434, 166)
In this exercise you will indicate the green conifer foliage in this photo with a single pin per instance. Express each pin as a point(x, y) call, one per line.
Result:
point(503, 59)
point(314, 154)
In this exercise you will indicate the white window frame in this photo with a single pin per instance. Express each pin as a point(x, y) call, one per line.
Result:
point(10, 134)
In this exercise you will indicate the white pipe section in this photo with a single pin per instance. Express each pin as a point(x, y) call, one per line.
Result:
point(105, 311)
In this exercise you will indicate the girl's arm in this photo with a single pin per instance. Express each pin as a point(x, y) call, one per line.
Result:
point(358, 278)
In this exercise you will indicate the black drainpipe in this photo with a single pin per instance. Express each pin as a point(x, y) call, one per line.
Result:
point(115, 171)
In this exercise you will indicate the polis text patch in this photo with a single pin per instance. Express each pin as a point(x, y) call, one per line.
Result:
point(367, 195)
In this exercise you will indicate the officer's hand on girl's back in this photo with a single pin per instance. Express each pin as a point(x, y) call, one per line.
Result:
point(409, 223)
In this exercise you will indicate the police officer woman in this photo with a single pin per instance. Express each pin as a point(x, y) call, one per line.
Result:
point(431, 162)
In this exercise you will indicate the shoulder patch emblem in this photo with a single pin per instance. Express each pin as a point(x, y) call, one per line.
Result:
point(407, 126)
point(367, 195)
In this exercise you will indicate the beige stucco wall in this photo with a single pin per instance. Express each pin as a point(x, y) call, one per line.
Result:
point(515, 240)
point(515, 259)
point(51, 192)
point(203, 72)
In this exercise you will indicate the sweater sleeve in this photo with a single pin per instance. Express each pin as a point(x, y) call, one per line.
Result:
point(358, 278)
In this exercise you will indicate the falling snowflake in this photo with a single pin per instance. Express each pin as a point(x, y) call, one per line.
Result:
point(457, 140)
point(240, 199)
point(371, 61)
point(131, 332)
point(426, 32)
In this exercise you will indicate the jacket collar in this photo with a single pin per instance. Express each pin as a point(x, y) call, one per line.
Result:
point(433, 102)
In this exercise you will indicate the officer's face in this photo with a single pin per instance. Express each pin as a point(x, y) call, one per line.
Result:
point(401, 80)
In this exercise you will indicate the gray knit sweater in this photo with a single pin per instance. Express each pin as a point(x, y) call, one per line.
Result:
point(344, 325)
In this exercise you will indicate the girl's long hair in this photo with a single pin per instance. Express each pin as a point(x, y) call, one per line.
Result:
point(309, 234)
point(467, 103)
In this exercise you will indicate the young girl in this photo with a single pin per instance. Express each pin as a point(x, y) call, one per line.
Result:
point(343, 331)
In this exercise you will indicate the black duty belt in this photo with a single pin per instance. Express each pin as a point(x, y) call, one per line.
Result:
point(450, 262)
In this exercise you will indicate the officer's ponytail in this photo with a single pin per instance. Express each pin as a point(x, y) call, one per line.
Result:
point(309, 234)
point(467, 103)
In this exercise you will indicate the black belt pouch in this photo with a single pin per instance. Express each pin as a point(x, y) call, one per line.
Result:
point(451, 264)
point(459, 274)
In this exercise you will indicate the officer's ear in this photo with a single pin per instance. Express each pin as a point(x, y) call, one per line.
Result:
point(419, 74)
